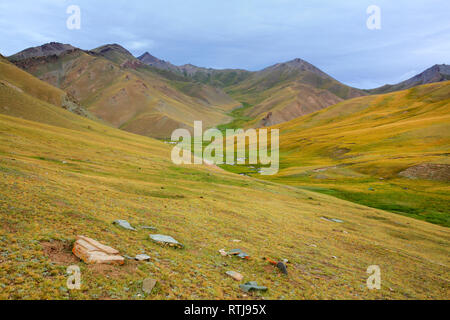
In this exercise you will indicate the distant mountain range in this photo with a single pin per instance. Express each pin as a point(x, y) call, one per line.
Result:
point(150, 96)
point(119, 89)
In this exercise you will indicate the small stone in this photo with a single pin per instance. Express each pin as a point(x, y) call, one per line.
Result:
point(124, 224)
point(149, 228)
point(142, 257)
point(235, 275)
point(148, 285)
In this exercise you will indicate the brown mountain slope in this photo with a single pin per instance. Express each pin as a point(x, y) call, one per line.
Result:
point(20, 82)
point(288, 90)
point(150, 60)
point(219, 78)
point(276, 94)
point(117, 88)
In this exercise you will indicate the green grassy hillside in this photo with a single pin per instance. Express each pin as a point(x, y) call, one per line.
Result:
point(70, 176)
point(386, 151)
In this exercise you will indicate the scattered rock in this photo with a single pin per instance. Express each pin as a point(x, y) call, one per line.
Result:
point(124, 224)
point(149, 228)
point(148, 285)
point(332, 220)
point(93, 252)
point(142, 257)
point(235, 275)
point(282, 267)
point(280, 264)
point(239, 253)
point(252, 286)
point(166, 240)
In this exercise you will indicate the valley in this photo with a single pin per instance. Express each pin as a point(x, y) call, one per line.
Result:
point(363, 181)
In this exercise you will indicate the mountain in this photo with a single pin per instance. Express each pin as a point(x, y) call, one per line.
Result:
point(437, 73)
point(117, 54)
point(276, 94)
point(214, 77)
point(48, 49)
point(150, 60)
point(119, 89)
point(63, 175)
point(386, 151)
point(288, 90)
point(161, 96)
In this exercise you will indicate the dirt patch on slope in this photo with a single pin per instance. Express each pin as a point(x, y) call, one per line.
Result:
point(339, 153)
point(9, 227)
point(428, 171)
point(59, 252)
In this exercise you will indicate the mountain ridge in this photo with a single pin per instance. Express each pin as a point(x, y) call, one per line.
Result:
point(122, 91)
point(436, 73)
point(273, 95)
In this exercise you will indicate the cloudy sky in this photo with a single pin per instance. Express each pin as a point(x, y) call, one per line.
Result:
point(248, 34)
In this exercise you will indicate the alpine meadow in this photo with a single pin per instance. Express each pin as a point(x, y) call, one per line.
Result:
point(338, 188)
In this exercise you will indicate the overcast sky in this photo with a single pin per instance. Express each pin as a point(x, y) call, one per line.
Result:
point(248, 34)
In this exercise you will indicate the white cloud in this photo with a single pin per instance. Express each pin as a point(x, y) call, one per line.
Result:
point(140, 44)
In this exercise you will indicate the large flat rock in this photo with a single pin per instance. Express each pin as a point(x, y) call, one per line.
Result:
point(93, 252)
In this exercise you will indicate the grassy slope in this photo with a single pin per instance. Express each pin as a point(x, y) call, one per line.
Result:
point(15, 78)
point(79, 176)
point(355, 150)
